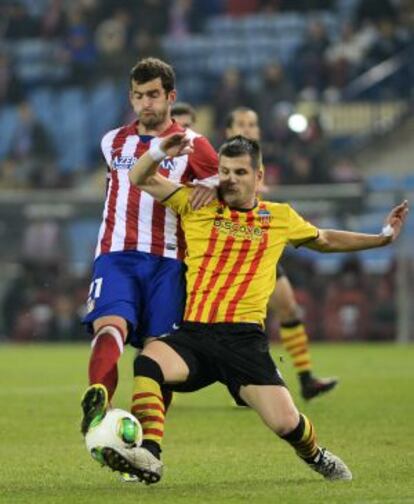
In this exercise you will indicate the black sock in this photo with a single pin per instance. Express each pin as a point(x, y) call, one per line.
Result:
point(305, 377)
point(153, 447)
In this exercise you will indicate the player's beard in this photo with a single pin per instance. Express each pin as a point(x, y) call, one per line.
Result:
point(230, 194)
point(237, 195)
point(153, 120)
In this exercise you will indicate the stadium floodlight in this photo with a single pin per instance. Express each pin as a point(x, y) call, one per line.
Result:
point(297, 123)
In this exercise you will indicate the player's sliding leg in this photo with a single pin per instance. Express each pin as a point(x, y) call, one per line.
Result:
point(277, 410)
point(157, 364)
point(167, 393)
point(167, 397)
point(303, 440)
point(148, 402)
point(143, 462)
point(295, 340)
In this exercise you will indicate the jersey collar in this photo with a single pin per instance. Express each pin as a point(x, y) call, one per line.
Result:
point(243, 210)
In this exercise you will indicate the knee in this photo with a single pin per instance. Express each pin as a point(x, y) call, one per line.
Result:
point(145, 366)
point(106, 333)
point(111, 324)
point(286, 423)
point(172, 366)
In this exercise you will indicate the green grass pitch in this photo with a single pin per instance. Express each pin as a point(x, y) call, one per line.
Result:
point(214, 453)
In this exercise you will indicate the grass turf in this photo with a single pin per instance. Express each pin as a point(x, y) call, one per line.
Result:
point(213, 451)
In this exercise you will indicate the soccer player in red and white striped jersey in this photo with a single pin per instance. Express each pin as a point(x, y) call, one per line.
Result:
point(138, 287)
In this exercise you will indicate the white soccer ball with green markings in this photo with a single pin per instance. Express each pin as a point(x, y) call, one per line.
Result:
point(118, 429)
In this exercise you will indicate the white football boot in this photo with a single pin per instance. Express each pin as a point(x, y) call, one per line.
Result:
point(136, 461)
point(331, 467)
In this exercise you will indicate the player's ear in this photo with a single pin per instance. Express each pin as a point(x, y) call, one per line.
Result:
point(172, 96)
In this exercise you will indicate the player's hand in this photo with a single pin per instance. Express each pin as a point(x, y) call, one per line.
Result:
point(396, 218)
point(176, 145)
point(202, 196)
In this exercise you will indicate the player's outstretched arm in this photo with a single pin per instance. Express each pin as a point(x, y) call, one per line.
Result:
point(330, 240)
point(144, 173)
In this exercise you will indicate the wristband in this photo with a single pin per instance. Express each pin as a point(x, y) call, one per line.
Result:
point(387, 231)
point(156, 152)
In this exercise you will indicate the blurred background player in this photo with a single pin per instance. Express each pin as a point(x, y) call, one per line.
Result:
point(244, 121)
point(184, 114)
point(138, 264)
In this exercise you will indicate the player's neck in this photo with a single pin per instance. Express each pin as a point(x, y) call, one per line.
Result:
point(245, 207)
point(143, 130)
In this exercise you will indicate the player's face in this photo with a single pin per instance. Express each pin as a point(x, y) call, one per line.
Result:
point(184, 120)
point(245, 123)
point(151, 102)
point(238, 181)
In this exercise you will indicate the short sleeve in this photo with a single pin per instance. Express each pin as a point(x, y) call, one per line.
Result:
point(300, 231)
point(106, 145)
point(203, 161)
point(179, 200)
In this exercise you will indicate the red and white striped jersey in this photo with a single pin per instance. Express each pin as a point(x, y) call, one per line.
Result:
point(132, 219)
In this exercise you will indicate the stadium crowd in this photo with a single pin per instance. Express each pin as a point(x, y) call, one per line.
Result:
point(65, 63)
point(63, 84)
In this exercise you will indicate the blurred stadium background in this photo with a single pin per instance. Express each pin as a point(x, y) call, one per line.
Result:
point(332, 80)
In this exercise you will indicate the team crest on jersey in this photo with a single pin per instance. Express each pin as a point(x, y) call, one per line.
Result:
point(264, 216)
point(123, 162)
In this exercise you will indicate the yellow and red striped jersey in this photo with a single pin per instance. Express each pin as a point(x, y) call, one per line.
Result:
point(232, 254)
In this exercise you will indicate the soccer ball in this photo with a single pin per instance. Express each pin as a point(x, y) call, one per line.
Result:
point(118, 430)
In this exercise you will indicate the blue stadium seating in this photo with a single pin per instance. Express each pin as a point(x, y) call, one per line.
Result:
point(383, 182)
point(43, 102)
point(407, 182)
point(247, 44)
point(8, 124)
point(346, 8)
point(105, 104)
point(81, 238)
point(73, 137)
point(37, 62)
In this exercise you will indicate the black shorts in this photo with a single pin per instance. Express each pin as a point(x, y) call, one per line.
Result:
point(280, 272)
point(234, 354)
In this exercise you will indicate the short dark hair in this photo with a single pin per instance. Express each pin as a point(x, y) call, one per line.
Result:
point(238, 146)
point(230, 116)
point(181, 108)
point(149, 69)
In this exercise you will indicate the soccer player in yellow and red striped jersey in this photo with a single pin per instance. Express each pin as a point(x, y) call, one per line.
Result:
point(293, 334)
point(233, 244)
